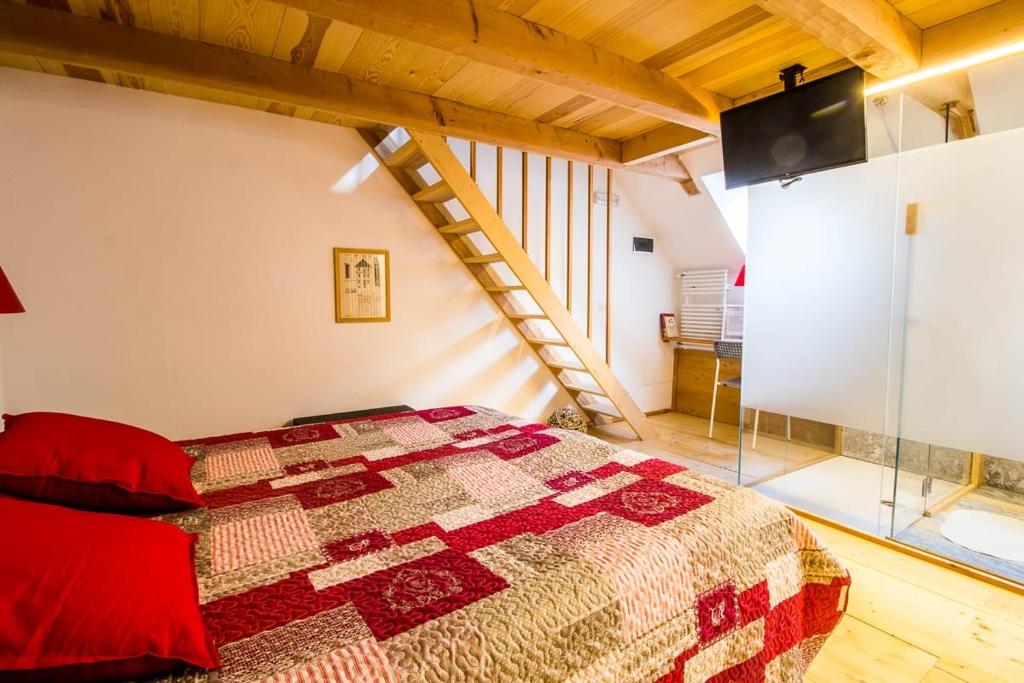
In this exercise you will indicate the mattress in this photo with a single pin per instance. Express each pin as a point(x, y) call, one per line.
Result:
point(463, 544)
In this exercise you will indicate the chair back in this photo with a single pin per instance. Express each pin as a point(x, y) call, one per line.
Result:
point(728, 349)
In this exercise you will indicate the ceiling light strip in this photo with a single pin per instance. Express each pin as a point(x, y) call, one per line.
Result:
point(949, 67)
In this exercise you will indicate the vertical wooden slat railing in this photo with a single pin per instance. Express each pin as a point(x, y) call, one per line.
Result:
point(602, 396)
point(608, 268)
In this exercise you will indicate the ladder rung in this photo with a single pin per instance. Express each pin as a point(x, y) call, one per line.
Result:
point(484, 258)
point(435, 194)
point(505, 288)
point(461, 228)
point(586, 390)
point(600, 411)
point(408, 155)
point(561, 365)
point(547, 342)
point(527, 316)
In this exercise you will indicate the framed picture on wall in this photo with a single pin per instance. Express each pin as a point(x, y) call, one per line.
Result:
point(362, 286)
point(669, 328)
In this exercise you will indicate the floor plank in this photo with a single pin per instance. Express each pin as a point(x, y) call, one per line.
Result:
point(861, 653)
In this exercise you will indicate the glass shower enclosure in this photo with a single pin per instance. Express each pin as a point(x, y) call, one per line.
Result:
point(884, 331)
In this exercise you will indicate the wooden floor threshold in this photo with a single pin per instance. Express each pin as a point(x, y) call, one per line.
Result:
point(915, 552)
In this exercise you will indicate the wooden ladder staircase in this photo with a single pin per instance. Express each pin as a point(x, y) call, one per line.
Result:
point(549, 328)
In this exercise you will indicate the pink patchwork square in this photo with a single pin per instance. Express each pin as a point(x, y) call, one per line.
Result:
point(247, 457)
point(258, 539)
point(648, 569)
point(495, 481)
point(414, 431)
point(357, 663)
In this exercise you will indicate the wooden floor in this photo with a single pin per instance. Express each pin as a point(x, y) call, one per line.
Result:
point(684, 438)
point(908, 619)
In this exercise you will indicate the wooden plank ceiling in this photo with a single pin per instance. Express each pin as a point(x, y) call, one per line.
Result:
point(607, 81)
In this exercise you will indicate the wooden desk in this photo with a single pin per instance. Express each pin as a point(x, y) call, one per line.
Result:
point(693, 382)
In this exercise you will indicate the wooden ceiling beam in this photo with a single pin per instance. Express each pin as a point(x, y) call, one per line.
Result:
point(87, 42)
point(666, 139)
point(870, 33)
point(486, 34)
point(983, 29)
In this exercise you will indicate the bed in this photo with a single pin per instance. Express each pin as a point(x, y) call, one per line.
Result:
point(462, 544)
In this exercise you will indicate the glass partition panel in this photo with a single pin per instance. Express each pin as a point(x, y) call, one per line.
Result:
point(817, 357)
point(960, 323)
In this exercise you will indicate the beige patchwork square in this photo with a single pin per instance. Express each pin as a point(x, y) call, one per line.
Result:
point(628, 458)
point(414, 431)
point(737, 647)
point(463, 516)
point(384, 453)
point(785, 578)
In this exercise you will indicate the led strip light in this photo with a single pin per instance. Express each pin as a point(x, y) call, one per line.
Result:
point(941, 69)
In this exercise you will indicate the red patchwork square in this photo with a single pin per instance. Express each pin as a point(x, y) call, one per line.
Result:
point(445, 414)
point(322, 492)
point(520, 444)
point(608, 470)
point(648, 501)
point(303, 434)
point(655, 468)
point(356, 546)
point(755, 602)
point(530, 428)
point(308, 466)
point(418, 533)
point(396, 599)
point(262, 608)
point(717, 612)
point(573, 479)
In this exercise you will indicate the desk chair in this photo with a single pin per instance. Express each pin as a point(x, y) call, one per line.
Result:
point(728, 349)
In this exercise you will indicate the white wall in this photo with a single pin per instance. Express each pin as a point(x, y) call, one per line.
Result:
point(692, 229)
point(174, 257)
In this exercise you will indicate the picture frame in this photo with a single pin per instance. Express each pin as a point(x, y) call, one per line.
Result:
point(362, 285)
point(669, 326)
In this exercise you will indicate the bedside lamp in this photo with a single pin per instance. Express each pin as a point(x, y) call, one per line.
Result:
point(9, 302)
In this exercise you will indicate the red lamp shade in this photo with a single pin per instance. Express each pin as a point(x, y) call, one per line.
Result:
point(741, 278)
point(9, 302)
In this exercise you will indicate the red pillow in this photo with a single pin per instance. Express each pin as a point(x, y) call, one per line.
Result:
point(94, 464)
point(88, 596)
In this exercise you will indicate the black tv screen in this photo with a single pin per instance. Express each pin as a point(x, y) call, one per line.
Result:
point(812, 127)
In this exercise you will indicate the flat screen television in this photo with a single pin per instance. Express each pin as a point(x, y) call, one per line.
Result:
point(812, 127)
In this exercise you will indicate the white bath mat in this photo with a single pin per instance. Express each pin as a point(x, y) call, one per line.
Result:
point(984, 532)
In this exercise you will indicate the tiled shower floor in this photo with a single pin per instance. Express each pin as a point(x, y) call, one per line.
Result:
point(850, 491)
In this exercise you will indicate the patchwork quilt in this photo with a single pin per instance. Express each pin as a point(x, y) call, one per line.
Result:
point(461, 544)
